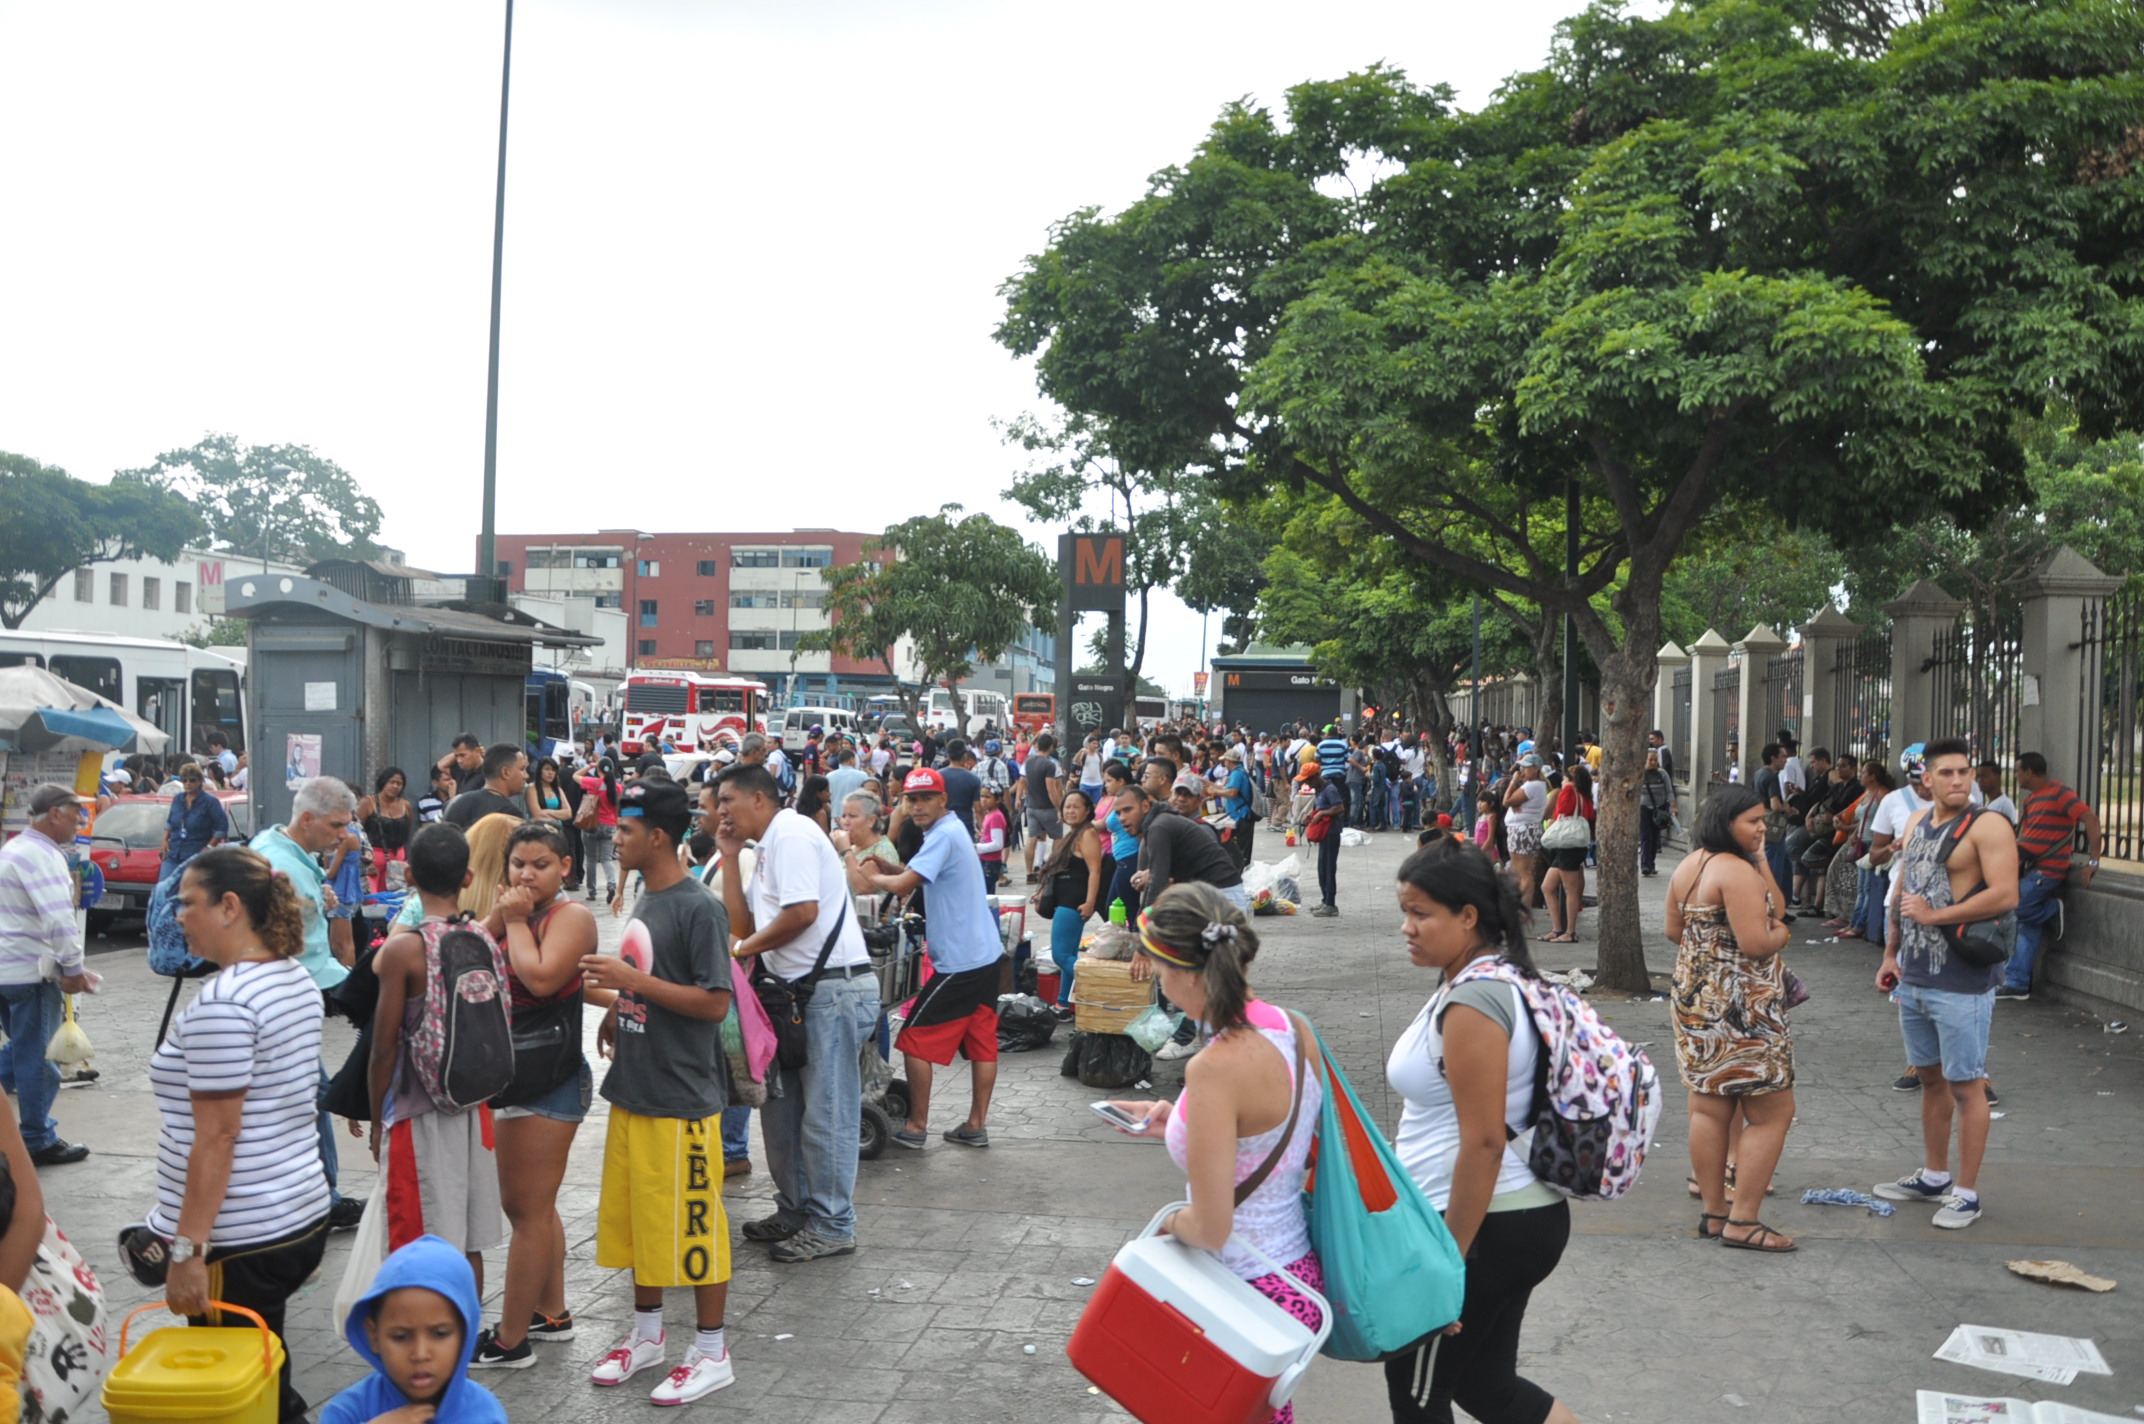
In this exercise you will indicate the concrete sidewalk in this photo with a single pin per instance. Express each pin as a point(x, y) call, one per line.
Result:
point(969, 1257)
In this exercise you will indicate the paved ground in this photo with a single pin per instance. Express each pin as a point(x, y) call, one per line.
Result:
point(969, 1257)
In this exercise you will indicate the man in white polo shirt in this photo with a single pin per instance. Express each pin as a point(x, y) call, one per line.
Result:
point(795, 913)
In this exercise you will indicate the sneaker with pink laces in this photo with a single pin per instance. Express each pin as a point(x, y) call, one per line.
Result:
point(631, 1356)
point(696, 1378)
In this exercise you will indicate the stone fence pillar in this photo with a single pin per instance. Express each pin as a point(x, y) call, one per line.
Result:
point(1708, 656)
point(1917, 615)
point(1757, 719)
point(2054, 700)
point(1822, 637)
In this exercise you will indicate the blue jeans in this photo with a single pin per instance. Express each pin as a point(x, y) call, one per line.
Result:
point(1065, 926)
point(329, 1162)
point(1868, 916)
point(1120, 887)
point(1945, 1030)
point(1357, 793)
point(33, 1013)
point(812, 1127)
point(737, 1133)
point(2038, 897)
point(1775, 856)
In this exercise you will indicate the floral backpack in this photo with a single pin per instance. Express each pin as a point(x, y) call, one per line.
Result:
point(463, 1047)
point(1596, 1098)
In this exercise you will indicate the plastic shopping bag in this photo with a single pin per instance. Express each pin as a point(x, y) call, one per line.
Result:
point(368, 1250)
point(70, 1046)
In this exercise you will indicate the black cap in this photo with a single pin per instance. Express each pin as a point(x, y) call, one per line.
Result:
point(659, 799)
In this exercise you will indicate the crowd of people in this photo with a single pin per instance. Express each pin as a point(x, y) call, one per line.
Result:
point(746, 880)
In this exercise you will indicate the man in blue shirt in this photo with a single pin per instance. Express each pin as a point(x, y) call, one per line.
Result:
point(958, 1009)
point(1236, 803)
point(1332, 753)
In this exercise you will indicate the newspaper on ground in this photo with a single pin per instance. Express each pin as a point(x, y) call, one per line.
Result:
point(1939, 1407)
point(2054, 1359)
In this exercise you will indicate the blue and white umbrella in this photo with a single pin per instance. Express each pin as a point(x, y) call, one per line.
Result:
point(41, 711)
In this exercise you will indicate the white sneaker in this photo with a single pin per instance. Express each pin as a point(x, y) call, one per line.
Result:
point(629, 1358)
point(696, 1378)
point(1173, 1050)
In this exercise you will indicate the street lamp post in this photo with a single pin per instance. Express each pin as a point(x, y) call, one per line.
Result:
point(487, 537)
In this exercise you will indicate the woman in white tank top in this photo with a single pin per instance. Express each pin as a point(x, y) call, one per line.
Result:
point(1240, 1101)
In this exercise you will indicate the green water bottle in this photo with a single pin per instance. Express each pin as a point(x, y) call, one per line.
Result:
point(1116, 912)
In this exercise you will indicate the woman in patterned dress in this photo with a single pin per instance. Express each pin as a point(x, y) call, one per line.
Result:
point(1732, 1041)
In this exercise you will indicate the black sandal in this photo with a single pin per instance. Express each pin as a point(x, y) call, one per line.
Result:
point(1759, 1240)
point(1705, 1216)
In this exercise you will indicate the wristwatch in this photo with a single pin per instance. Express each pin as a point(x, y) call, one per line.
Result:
point(183, 1249)
point(2093, 862)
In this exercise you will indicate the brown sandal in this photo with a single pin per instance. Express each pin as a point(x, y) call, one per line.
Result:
point(1705, 1216)
point(1759, 1240)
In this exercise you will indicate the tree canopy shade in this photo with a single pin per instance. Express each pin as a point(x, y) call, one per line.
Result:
point(1714, 255)
point(319, 511)
point(56, 523)
point(961, 590)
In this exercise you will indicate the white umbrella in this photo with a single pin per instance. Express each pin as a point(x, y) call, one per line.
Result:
point(41, 711)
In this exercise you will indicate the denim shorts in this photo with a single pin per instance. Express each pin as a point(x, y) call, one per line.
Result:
point(1947, 1029)
point(568, 1102)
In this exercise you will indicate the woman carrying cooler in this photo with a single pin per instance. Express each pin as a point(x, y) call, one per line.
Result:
point(1250, 1103)
point(1464, 1070)
point(240, 1187)
point(545, 934)
point(1074, 874)
point(1732, 1042)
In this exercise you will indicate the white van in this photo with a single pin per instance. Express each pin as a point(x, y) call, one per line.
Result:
point(978, 710)
point(797, 723)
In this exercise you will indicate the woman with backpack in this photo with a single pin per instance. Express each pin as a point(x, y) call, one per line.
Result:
point(544, 934)
point(1249, 1111)
point(1464, 1070)
point(600, 839)
point(1729, 1006)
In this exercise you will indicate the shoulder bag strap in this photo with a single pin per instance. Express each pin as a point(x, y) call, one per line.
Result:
point(1257, 1179)
point(826, 950)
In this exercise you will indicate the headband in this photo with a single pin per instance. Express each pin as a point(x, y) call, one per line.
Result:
point(1155, 947)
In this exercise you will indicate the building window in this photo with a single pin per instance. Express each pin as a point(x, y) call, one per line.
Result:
point(647, 613)
point(506, 568)
point(742, 641)
point(763, 598)
point(152, 593)
point(651, 568)
point(610, 600)
point(647, 647)
point(755, 558)
point(709, 567)
point(537, 558)
point(703, 608)
point(807, 558)
point(793, 599)
point(85, 586)
point(704, 648)
point(119, 590)
point(789, 638)
point(583, 559)
point(182, 597)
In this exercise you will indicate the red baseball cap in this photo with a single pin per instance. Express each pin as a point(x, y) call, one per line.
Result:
point(923, 779)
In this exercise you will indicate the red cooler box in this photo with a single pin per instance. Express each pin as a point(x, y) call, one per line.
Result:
point(1173, 1336)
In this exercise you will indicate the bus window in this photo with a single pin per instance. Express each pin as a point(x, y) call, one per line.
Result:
point(99, 675)
point(216, 708)
point(722, 700)
point(162, 700)
point(35, 660)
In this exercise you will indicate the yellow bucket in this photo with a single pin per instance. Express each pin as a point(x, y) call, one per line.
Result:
point(229, 1374)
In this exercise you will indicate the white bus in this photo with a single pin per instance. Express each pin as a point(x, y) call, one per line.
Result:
point(187, 691)
point(978, 710)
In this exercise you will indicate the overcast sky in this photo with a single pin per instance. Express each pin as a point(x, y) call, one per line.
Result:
point(752, 250)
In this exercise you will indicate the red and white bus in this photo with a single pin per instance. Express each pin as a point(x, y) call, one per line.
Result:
point(695, 711)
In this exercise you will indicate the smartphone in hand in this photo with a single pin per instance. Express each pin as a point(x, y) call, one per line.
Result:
point(1117, 1117)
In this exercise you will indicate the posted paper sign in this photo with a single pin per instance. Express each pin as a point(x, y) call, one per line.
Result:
point(320, 697)
point(301, 756)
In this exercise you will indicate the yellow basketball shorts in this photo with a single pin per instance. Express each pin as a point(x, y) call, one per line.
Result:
point(661, 1214)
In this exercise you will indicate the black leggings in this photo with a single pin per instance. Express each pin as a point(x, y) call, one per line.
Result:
point(1478, 1369)
point(262, 1278)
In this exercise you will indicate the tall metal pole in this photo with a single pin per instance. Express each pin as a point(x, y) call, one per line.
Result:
point(1570, 622)
point(487, 536)
point(1474, 696)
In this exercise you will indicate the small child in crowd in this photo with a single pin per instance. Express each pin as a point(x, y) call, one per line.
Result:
point(413, 1328)
point(661, 1210)
point(437, 1167)
point(990, 838)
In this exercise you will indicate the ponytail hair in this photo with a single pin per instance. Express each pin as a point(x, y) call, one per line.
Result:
point(1457, 875)
point(264, 892)
point(1195, 922)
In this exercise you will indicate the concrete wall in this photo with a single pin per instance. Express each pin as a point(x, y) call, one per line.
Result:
point(2099, 963)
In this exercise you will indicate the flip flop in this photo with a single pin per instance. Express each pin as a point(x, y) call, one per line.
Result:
point(1759, 1240)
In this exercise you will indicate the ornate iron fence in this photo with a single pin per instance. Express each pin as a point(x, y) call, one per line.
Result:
point(1978, 686)
point(1678, 728)
point(1726, 718)
point(1861, 679)
point(1782, 695)
point(2110, 734)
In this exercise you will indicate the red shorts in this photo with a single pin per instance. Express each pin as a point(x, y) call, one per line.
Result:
point(955, 1013)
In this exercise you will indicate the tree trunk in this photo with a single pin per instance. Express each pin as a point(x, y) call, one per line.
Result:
point(1548, 675)
point(1628, 674)
point(1436, 728)
point(909, 705)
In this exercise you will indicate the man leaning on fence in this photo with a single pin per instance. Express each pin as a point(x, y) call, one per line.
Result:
point(2046, 834)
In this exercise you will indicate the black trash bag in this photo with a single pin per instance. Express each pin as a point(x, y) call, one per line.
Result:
point(1025, 1023)
point(1078, 1045)
point(1112, 1060)
point(1023, 974)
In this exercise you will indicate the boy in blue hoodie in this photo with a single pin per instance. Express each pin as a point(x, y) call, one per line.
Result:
point(414, 1327)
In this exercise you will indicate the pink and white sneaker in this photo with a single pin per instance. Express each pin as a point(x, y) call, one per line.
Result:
point(630, 1357)
point(696, 1378)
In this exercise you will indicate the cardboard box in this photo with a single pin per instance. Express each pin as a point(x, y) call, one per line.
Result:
point(1105, 997)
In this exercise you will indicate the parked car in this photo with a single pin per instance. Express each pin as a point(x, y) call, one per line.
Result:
point(127, 843)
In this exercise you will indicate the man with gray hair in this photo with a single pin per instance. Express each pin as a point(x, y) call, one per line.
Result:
point(40, 959)
point(319, 810)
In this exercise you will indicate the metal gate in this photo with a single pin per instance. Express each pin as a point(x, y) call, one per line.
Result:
point(1979, 678)
point(1861, 679)
point(1726, 718)
point(1678, 728)
point(1783, 695)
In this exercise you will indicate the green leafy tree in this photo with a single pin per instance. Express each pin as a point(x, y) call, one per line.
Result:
point(1713, 257)
point(56, 524)
point(960, 590)
point(1740, 572)
point(318, 511)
